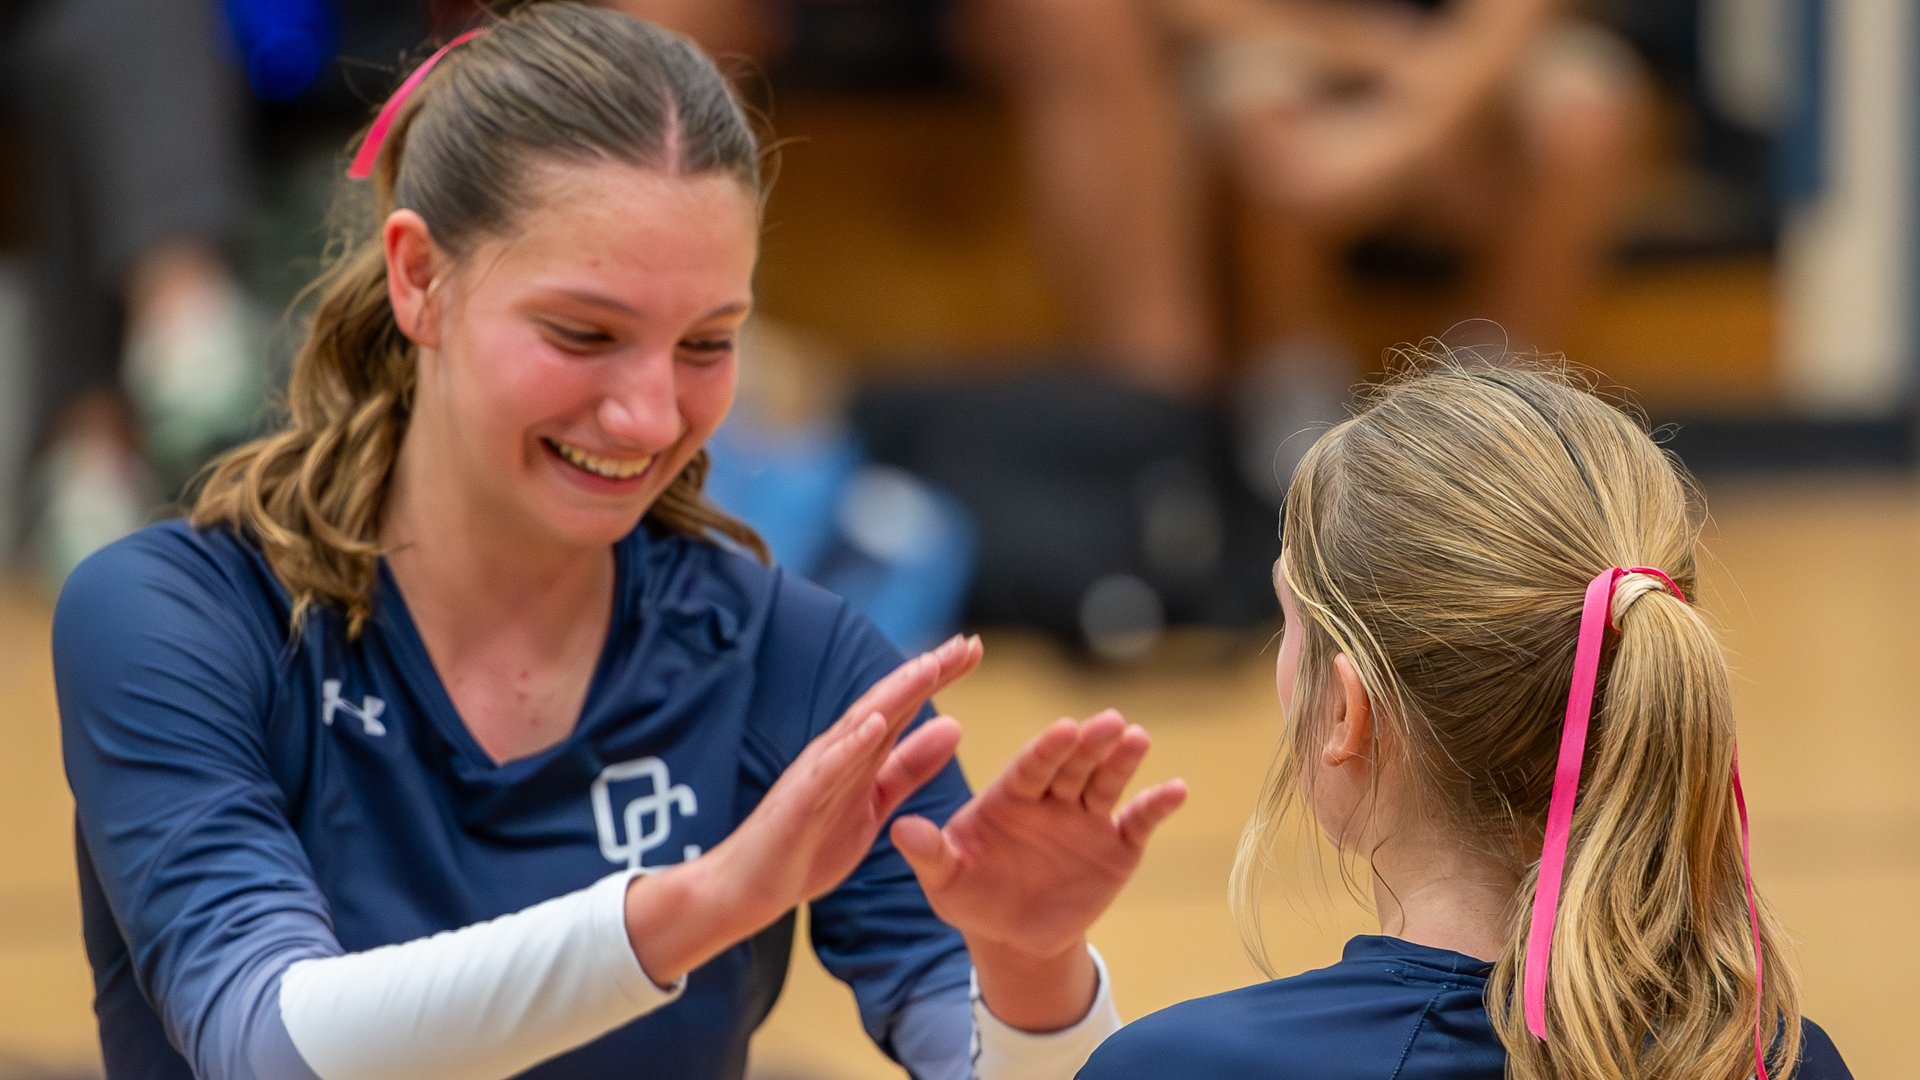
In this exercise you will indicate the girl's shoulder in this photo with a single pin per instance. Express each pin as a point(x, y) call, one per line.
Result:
point(1388, 1008)
point(808, 652)
point(1819, 1058)
point(726, 593)
point(211, 574)
point(166, 619)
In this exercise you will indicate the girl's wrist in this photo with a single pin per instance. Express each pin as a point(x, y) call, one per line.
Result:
point(681, 917)
point(1035, 991)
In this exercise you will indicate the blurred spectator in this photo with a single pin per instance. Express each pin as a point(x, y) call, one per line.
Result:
point(1508, 128)
point(1503, 128)
point(147, 355)
point(1114, 181)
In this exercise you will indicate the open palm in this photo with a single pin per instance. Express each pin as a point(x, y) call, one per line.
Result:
point(1033, 860)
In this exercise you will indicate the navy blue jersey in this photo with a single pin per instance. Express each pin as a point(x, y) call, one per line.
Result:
point(248, 798)
point(1389, 1010)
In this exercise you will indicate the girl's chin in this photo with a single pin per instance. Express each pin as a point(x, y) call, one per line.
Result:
point(591, 531)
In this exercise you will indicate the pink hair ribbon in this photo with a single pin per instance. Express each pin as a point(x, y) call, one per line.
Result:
point(369, 152)
point(1595, 617)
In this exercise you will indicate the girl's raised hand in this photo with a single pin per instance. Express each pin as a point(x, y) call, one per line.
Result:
point(1025, 868)
point(814, 826)
point(821, 817)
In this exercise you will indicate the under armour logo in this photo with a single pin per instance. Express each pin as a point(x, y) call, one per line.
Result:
point(647, 817)
point(367, 712)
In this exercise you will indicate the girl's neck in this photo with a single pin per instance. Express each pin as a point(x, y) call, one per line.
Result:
point(469, 576)
point(1433, 891)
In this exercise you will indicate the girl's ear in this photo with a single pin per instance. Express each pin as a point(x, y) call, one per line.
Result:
point(1352, 734)
point(414, 267)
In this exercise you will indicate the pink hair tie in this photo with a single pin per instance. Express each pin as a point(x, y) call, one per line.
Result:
point(369, 152)
point(1595, 616)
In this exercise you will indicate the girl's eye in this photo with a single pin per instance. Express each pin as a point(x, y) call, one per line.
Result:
point(708, 350)
point(577, 339)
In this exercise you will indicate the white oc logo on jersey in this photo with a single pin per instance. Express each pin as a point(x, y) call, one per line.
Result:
point(367, 712)
point(647, 817)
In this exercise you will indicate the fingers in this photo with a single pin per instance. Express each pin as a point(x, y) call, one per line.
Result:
point(951, 660)
point(915, 761)
point(958, 657)
point(838, 766)
point(1034, 767)
point(1067, 761)
point(852, 753)
point(1099, 732)
point(1110, 777)
point(903, 691)
point(926, 850)
point(1148, 809)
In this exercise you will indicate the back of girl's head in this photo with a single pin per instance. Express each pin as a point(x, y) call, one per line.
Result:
point(547, 86)
point(1443, 540)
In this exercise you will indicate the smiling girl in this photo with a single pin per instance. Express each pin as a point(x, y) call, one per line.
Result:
point(454, 735)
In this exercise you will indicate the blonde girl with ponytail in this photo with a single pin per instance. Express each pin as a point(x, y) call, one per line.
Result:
point(1499, 693)
point(456, 735)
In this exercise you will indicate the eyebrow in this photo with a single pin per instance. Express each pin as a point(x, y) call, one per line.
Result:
point(594, 299)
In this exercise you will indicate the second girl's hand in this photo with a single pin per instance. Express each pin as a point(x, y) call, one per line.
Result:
point(1025, 867)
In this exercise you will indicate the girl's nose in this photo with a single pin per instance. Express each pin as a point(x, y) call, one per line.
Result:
point(642, 408)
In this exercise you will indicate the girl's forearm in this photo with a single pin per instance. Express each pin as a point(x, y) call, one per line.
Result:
point(487, 1000)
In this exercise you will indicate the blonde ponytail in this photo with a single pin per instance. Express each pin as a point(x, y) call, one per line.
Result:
point(1653, 971)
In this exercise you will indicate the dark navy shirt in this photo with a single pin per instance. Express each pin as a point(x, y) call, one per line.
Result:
point(1389, 1010)
point(248, 798)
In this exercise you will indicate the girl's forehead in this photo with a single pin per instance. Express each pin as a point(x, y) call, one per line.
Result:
point(618, 227)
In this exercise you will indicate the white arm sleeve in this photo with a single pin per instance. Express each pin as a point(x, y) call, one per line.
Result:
point(1007, 1053)
point(485, 1001)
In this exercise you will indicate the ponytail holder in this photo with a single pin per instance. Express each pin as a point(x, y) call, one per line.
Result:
point(369, 152)
point(1595, 617)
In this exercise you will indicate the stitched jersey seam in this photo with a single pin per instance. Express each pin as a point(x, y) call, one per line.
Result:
point(1406, 1050)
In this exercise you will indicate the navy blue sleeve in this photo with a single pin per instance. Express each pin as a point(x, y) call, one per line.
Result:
point(1154, 1046)
point(1819, 1058)
point(876, 932)
point(163, 694)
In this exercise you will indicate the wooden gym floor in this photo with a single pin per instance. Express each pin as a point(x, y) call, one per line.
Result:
point(1814, 582)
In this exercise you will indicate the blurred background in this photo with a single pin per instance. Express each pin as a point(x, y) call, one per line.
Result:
point(1049, 291)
